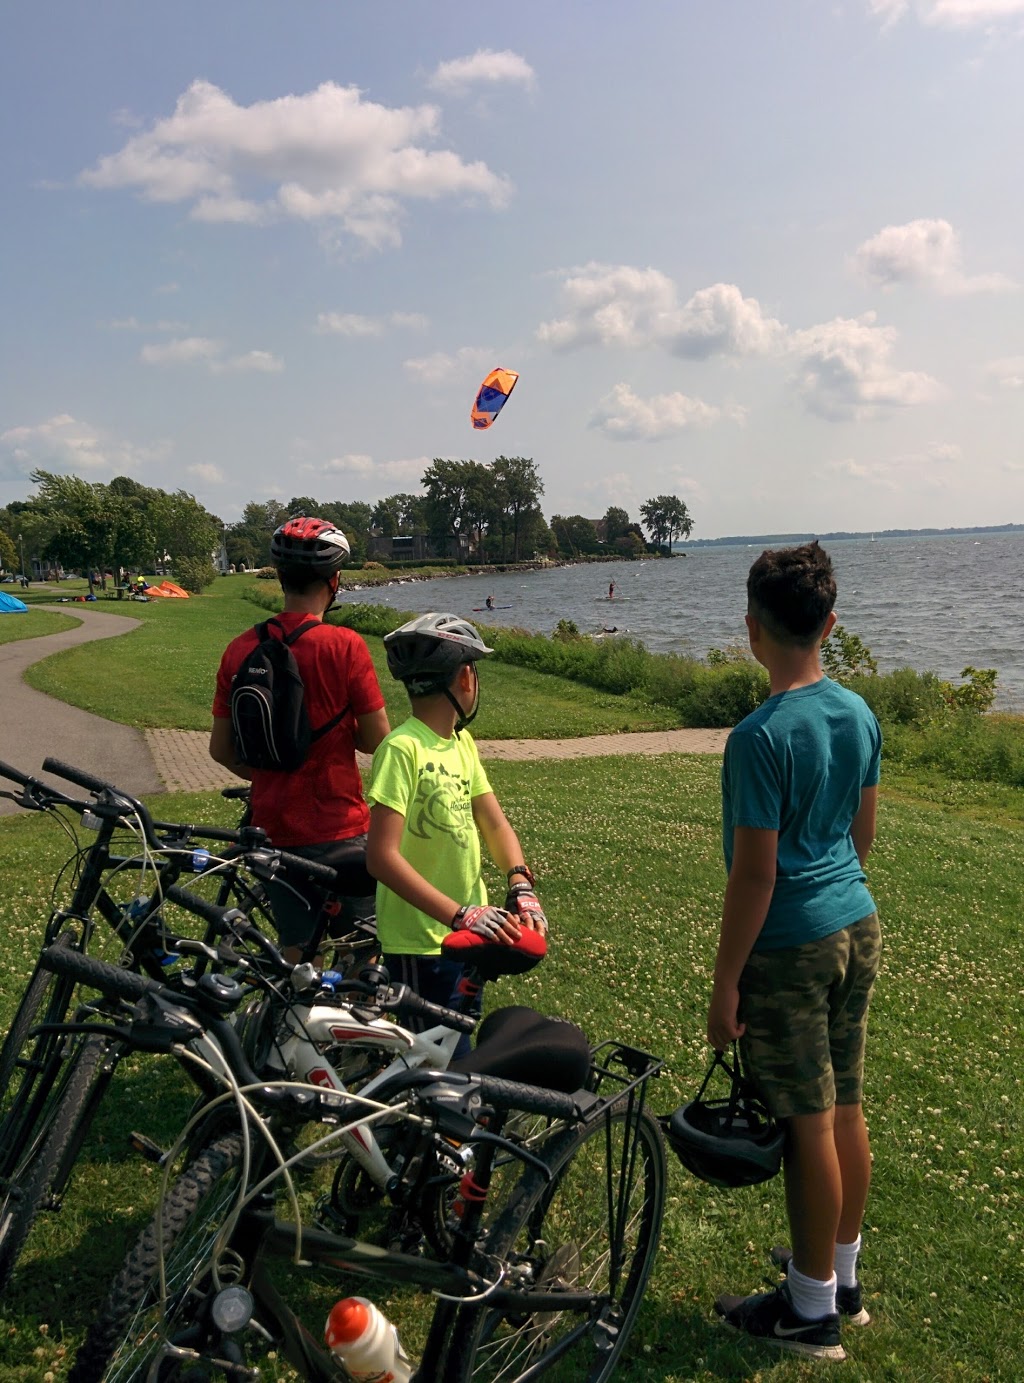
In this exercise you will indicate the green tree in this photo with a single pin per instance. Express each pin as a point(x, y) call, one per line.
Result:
point(519, 488)
point(616, 524)
point(574, 534)
point(666, 518)
point(9, 560)
point(183, 528)
point(447, 484)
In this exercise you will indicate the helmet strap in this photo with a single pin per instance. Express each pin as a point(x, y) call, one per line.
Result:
point(464, 717)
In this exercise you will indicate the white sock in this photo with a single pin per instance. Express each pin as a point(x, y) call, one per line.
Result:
point(811, 1299)
point(846, 1263)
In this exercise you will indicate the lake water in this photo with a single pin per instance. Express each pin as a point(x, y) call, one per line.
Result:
point(936, 604)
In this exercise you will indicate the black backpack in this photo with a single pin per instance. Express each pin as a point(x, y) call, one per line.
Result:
point(269, 719)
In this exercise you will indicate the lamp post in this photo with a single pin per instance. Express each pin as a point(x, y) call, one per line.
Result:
point(21, 545)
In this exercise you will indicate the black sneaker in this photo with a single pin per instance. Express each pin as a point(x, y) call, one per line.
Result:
point(769, 1316)
point(849, 1300)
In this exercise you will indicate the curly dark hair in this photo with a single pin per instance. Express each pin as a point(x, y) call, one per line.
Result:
point(791, 591)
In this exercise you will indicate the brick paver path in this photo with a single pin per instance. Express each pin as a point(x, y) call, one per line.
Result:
point(184, 764)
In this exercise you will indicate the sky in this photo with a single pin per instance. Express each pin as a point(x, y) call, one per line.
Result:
point(768, 257)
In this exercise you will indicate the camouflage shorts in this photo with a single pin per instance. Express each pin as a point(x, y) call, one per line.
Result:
point(806, 1011)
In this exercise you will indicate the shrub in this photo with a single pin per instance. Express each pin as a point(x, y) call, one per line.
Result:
point(194, 574)
point(266, 574)
point(566, 629)
point(845, 655)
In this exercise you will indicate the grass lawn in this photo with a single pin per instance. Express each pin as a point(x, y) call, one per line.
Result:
point(32, 624)
point(629, 865)
point(165, 674)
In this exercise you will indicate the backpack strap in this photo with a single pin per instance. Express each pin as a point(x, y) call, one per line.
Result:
point(288, 640)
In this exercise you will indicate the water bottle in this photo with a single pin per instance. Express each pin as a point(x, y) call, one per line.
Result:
point(200, 860)
point(365, 1342)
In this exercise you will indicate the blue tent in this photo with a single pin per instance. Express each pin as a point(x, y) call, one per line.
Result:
point(10, 604)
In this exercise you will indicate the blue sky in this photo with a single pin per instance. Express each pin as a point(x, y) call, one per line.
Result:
point(766, 256)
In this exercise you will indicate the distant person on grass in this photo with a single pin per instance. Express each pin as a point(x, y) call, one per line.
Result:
point(800, 944)
point(318, 810)
point(430, 802)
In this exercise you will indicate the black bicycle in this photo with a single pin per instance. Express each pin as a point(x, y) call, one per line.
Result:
point(549, 1286)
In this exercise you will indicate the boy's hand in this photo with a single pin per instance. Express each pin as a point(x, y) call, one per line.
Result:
point(523, 903)
point(723, 1027)
point(487, 921)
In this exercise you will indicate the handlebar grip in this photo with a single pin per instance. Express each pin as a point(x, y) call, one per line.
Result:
point(191, 902)
point(410, 1002)
point(14, 774)
point(77, 776)
point(97, 974)
point(533, 1099)
point(320, 873)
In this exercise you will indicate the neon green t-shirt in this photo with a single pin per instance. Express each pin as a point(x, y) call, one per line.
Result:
point(432, 783)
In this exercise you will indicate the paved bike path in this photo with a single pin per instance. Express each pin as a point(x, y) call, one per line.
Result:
point(33, 725)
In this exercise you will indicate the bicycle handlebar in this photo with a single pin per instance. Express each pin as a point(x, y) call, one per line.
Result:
point(97, 974)
point(401, 999)
point(15, 774)
point(229, 922)
point(92, 784)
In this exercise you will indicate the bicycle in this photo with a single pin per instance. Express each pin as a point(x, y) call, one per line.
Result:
point(552, 1286)
point(50, 1083)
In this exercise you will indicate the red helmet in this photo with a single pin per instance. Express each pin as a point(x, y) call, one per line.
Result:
point(312, 543)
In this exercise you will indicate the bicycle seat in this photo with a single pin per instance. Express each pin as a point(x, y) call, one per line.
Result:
point(518, 1043)
point(491, 959)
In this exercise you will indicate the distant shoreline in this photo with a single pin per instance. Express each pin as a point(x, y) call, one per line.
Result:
point(840, 536)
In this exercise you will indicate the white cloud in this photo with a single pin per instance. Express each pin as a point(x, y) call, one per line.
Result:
point(68, 445)
point(625, 417)
point(1008, 372)
point(359, 466)
point(185, 350)
point(926, 252)
point(202, 350)
point(484, 68)
point(354, 324)
point(844, 370)
point(621, 306)
point(212, 475)
point(949, 14)
point(133, 324)
point(328, 156)
point(903, 470)
point(440, 367)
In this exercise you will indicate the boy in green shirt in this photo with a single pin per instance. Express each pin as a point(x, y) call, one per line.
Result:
point(430, 802)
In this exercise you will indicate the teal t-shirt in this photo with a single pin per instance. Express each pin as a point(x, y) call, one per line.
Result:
point(797, 765)
point(431, 782)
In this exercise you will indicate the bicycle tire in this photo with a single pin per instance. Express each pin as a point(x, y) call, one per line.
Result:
point(121, 1342)
point(44, 991)
point(558, 1233)
point(24, 1198)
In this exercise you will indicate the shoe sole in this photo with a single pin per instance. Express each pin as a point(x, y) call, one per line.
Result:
point(781, 1257)
point(832, 1353)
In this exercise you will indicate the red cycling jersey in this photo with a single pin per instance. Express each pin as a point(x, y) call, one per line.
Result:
point(323, 800)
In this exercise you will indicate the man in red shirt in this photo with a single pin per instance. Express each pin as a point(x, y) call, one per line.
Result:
point(318, 810)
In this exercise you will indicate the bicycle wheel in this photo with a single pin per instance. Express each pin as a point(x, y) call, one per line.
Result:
point(23, 1059)
point(561, 1234)
point(133, 1322)
point(50, 1151)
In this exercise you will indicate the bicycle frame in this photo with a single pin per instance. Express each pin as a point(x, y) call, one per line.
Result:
point(300, 1055)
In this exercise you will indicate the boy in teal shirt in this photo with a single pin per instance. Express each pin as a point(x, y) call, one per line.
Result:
point(800, 944)
point(430, 802)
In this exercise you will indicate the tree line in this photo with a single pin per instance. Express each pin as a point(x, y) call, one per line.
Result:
point(466, 511)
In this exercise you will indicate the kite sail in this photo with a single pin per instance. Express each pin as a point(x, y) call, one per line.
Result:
point(492, 397)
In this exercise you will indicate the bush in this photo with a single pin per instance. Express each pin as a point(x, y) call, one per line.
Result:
point(194, 574)
point(266, 574)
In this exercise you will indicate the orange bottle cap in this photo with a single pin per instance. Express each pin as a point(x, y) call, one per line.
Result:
point(348, 1320)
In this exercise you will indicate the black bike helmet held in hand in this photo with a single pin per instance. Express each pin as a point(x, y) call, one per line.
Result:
point(318, 546)
point(727, 1142)
point(426, 653)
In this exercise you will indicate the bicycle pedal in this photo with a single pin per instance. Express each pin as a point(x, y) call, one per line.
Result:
point(146, 1148)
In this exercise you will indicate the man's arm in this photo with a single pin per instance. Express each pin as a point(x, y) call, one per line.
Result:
point(222, 748)
point(863, 828)
point(748, 895)
point(370, 730)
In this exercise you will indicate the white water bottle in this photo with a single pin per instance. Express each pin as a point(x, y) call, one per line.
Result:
point(363, 1339)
